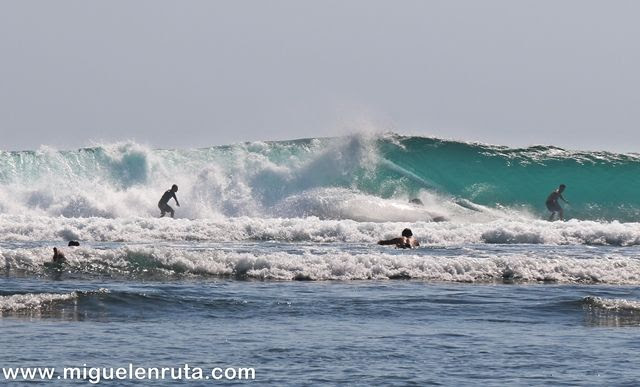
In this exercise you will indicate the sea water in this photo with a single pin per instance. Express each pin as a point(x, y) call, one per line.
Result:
point(272, 262)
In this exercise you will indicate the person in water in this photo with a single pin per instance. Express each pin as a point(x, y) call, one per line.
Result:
point(163, 204)
point(552, 202)
point(58, 256)
point(406, 241)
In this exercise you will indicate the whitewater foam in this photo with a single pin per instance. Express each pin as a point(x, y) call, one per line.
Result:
point(33, 301)
point(313, 229)
point(329, 262)
point(612, 304)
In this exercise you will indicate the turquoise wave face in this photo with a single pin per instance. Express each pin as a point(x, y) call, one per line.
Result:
point(600, 185)
point(257, 178)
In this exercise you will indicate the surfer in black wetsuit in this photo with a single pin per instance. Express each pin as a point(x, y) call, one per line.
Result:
point(552, 202)
point(58, 256)
point(164, 200)
point(406, 241)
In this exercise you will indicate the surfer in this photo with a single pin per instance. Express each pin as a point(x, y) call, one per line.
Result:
point(552, 202)
point(406, 241)
point(58, 256)
point(164, 200)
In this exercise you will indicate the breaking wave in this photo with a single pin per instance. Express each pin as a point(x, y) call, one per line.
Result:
point(329, 262)
point(362, 177)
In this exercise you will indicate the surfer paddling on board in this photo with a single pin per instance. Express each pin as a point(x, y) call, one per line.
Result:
point(406, 241)
point(164, 200)
point(552, 202)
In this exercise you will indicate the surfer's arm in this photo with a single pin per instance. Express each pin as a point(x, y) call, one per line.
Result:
point(563, 199)
point(176, 199)
point(393, 241)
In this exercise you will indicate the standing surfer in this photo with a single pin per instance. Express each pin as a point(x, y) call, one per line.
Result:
point(163, 204)
point(552, 202)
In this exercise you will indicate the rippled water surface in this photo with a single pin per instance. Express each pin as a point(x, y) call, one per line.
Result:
point(329, 313)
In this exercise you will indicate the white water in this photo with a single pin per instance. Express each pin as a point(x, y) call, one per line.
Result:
point(339, 262)
point(18, 302)
point(313, 229)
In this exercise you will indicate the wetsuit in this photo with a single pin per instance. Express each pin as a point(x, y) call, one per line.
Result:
point(164, 200)
point(552, 202)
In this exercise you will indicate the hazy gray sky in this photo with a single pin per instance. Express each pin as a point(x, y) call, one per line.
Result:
point(199, 73)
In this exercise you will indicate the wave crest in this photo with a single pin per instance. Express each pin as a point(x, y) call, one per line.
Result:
point(293, 178)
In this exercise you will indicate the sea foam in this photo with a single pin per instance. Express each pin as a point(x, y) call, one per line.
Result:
point(313, 229)
point(328, 262)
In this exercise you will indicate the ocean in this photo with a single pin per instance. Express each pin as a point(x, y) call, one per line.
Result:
point(271, 263)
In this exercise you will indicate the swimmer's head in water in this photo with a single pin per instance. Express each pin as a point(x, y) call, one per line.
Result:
point(174, 188)
point(407, 233)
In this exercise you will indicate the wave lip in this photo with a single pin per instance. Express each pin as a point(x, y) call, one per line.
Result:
point(611, 312)
point(612, 304)
point(33, 301)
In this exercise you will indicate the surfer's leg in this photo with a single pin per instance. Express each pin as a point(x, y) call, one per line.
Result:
point(551, 209)
point(560, 214)
point(164, 208)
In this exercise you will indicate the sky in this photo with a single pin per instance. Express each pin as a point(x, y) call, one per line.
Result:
point(181, 74)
